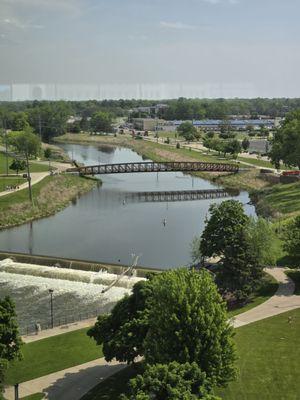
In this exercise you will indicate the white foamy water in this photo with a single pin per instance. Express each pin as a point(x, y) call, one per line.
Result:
point(76, 293)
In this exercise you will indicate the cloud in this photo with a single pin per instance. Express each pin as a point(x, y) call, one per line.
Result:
point(176, 25)
point(15, 23)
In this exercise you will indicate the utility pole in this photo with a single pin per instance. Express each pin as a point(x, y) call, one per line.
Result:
point(40, 126)
point(6, 145)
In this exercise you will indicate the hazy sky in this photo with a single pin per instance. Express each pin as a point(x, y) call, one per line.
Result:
point(248, 47)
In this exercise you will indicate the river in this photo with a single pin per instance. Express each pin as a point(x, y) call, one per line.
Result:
point(102, 226)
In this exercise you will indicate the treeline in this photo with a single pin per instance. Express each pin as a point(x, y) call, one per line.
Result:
point(49, 118)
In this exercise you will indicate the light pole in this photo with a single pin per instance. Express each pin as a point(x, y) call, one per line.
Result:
point(51, 306)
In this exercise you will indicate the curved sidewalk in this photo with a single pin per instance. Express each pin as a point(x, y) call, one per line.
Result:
point(282, 301)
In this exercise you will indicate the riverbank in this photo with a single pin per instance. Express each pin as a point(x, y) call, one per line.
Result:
point(246, 180)
point(50, 195)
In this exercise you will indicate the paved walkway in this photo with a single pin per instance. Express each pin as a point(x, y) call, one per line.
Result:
point(37, 176)
point(69, 384)
point(283, 300)
point(73, 383)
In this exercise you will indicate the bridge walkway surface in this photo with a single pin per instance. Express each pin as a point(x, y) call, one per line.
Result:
point(168, 166)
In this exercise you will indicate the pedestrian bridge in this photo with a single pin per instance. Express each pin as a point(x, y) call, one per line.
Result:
point(179, 195)
point(168, 166)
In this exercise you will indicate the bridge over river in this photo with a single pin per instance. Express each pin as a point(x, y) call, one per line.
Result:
point(169, 166)
point(180, 195)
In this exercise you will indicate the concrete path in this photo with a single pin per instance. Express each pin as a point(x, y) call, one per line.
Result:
point(59, 330)
point(283, 300)
point(73, 383)
point(35, 178)
point(38, 176)
point(69, 384)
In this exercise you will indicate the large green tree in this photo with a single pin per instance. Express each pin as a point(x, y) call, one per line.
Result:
point(122, 332)
point(101, 122)
point(188, 323)
point(187, 130)
point(291, 239)
point(27, 145)
point(227, 235)
point(10, 341)
point(286, 142)
point(171, 381)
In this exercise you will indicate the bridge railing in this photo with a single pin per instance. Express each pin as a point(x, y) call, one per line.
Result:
point(167, 166)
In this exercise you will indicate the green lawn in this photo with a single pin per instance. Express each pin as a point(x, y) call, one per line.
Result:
point(267, 290)
point(34, 166)
point(284, 198)
point(53, 354)
point(4, 182)
point(268, 364)
point(36, 396)
point(256, 162)
point(295, 276)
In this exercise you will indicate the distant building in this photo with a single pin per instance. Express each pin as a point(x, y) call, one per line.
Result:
point(213, 124)
point(148, 124)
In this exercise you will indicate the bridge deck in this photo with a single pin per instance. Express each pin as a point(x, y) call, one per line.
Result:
point(180, 195)
point(169, 166)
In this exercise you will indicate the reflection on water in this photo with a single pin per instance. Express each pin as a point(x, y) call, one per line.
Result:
point(103, 226)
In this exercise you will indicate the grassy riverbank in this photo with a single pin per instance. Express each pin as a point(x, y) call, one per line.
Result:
point(34, 166)
point(246, 180)
point(50, 195)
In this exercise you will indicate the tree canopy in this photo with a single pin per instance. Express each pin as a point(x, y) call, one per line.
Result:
point(187, 130)
point(10, 341)
point(286, 142)
point(292, 240)
point(101, 122)
point(171, 381)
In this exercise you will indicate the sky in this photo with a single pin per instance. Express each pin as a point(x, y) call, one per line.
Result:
point(146, 48)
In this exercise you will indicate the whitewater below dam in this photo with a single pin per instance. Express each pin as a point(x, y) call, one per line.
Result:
point(76, 294)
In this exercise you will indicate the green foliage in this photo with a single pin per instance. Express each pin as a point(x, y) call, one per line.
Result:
point(286, 142)
point(245, 144)
point(17, 165)
point(101, 122)
point(19, 121)
point(187, 130)
point(232, 147)
point(172, 381)
point(122, 332)
point(226, 236)
point(225, 225)
point(263, 241)
point(48, 153)
point(188, 323)
point(292, 240)
point(49, 118)
point(10, 341)
point(25, 143)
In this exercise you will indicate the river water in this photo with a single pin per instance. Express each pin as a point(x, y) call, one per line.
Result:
point(102, 226)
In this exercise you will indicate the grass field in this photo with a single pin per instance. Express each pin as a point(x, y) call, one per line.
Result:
point(282, 198)
point(268, 364)
point(4, 182)
point(36, 396)
point(267, 290)
point(53, 354)
point(34, 166)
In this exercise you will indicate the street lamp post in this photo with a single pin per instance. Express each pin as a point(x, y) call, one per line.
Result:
point(51, 306)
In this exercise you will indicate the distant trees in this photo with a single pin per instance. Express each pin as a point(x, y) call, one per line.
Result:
point(101, 122)
point(49, 119)
point(292, 240)
point(286, 142)
point(187, 130)
point(226, 236)
point(17, 165)
point(178, 321)
point(232, 147)
point(27, 145)
point(245, 144)
point(19, 121)
point(10, 340)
